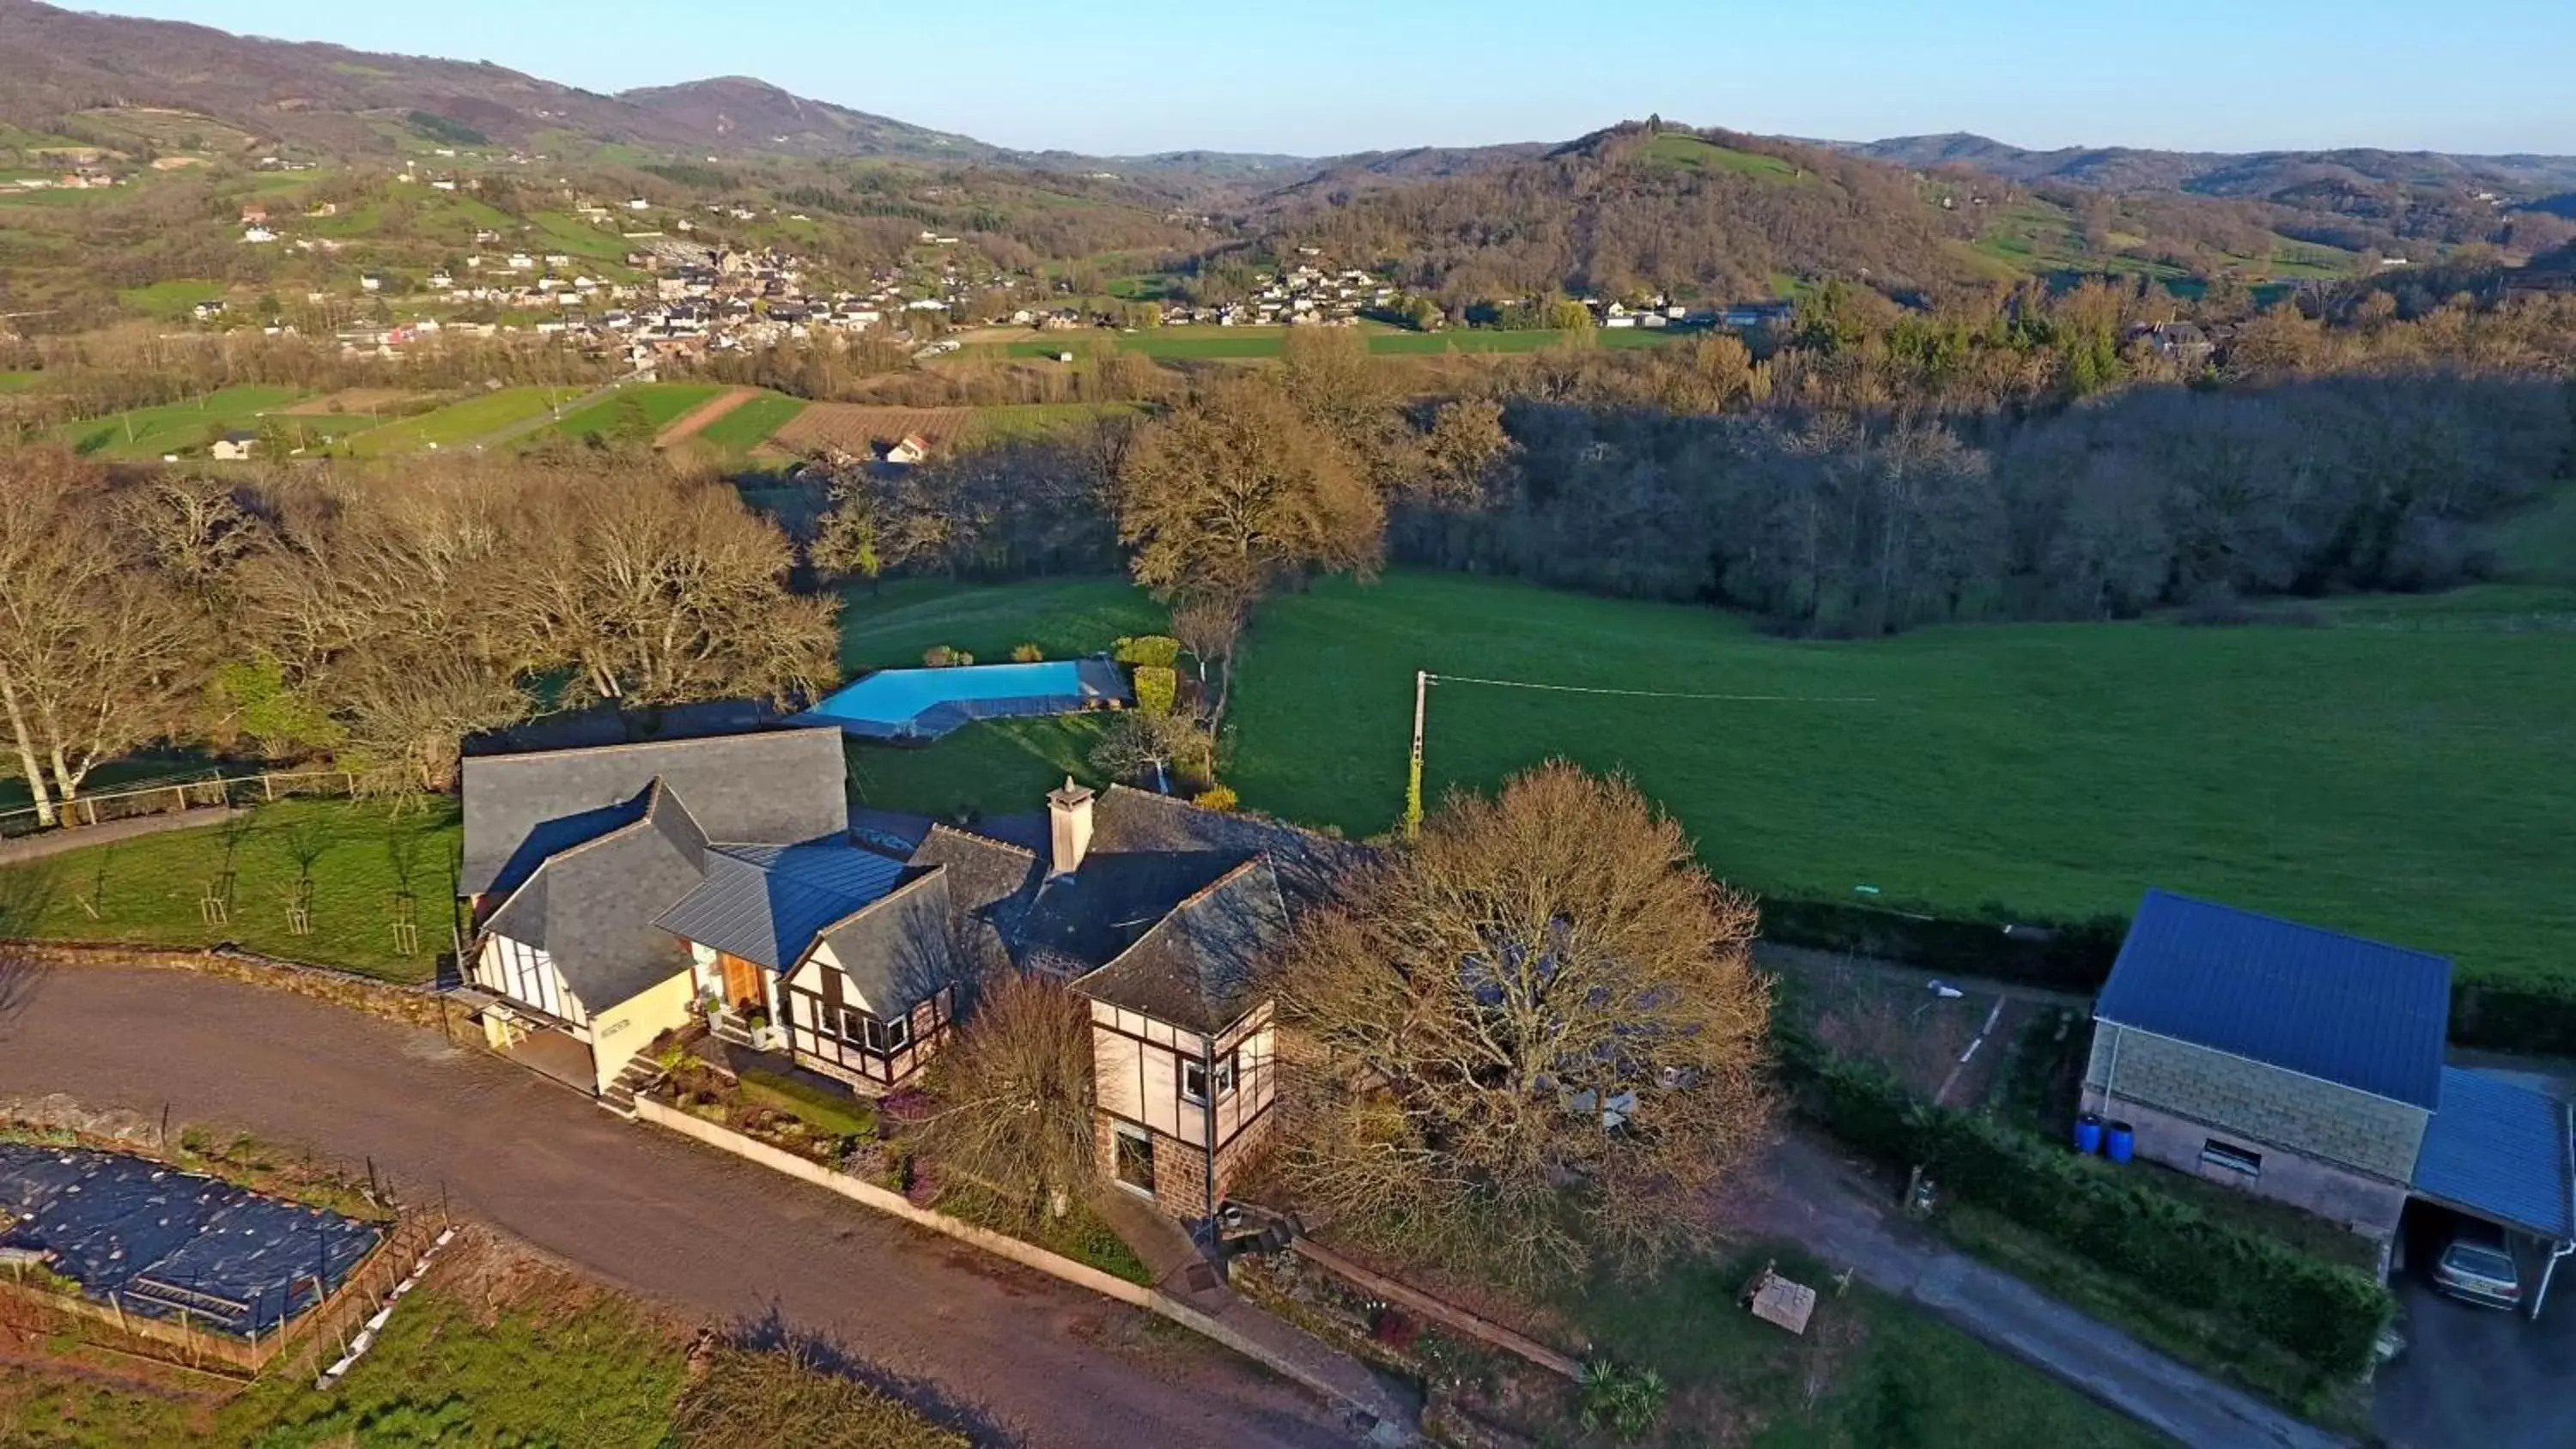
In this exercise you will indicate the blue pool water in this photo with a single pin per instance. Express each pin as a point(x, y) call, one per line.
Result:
point(933, 701)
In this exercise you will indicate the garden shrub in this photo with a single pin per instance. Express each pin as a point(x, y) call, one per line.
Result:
point(1148, 651)
point(1216, 797)
point(938, 656)
point(1028, 654)
point(1625, 1403)
point(1157, 687)
point(2113, 1217)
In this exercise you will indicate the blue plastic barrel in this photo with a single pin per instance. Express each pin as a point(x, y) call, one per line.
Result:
point(2119, 1143)
point(2088, 1134)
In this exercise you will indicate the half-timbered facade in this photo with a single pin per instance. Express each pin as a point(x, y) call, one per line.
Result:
point(607, 917)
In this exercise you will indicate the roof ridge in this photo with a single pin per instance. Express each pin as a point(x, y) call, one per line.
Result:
point(980, 838)
point(782, 730)
point(2266, 916)
point(1184, 903)
point(931, 873)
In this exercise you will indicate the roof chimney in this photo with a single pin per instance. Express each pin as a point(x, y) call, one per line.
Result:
point(1068, 827)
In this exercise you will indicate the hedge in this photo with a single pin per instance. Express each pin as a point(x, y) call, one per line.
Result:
point(2116, 1218)
point(2065, 955)
point(2532, 1017)
point(1156, 689)
point(1147, 651)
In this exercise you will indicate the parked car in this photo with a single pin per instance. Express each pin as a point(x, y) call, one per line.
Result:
point(2477, 1267)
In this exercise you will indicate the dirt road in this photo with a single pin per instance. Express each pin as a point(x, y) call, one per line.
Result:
point(694, 421)
point(1014, 1357)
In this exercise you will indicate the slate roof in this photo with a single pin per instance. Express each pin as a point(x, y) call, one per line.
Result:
point(591, 907)
point(774, 785)
point(767, 903)
point(897, 951)
point(990, 885)
point(2368, 1016)
point(1199, 967)
point(2502, 1151)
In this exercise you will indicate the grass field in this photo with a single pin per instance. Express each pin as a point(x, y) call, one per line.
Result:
point(19, 381)
point(171, 299)
point(1869, 1372)
point(1682, 152)
point(360, 854)
point(463, 422)
point(175, 427)
point(2398, 774)
point(747, 427)
point(493, 1350)
point(662, 404)
point(1029, 420)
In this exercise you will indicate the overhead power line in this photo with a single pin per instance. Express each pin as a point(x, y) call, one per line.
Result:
point(1659, 693)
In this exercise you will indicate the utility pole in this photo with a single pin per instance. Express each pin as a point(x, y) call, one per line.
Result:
point(1413, 776)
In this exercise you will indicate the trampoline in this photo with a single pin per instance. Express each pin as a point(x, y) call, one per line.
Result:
point(163, 1242)
point(923, 704)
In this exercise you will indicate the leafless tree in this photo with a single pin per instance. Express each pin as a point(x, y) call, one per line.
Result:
point(1541, 1034)
point(1014, 1094)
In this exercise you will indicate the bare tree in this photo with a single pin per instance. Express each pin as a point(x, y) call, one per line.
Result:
point(1014, 1094)
point(1209, 628)
point(1541, 1034)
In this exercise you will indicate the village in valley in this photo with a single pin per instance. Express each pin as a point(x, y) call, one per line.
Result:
point(691, 767)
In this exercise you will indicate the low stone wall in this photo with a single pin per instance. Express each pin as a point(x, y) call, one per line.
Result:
point(412, 1005)
point(1027, 1255)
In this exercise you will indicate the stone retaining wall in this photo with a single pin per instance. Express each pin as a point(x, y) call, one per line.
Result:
point(412, 1005)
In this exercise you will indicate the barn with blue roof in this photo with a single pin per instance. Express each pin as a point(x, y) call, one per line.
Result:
point(2308, 1065)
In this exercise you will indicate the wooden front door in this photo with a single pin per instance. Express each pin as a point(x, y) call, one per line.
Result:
point(741, 983)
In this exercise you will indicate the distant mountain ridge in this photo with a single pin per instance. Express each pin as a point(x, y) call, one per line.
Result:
point(2249, 174)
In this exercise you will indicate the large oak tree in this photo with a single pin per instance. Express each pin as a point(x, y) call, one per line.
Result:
point(1541, 1035)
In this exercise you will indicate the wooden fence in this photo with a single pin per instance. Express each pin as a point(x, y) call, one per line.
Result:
point(300, 1341)
point(168, 797)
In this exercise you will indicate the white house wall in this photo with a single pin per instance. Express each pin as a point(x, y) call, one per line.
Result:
point(524, 973)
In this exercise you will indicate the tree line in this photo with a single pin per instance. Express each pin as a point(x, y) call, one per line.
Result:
point(316, 612)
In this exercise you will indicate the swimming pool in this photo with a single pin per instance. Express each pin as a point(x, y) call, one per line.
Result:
point(927, 703)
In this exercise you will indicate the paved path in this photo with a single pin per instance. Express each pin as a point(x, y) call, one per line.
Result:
point(73, 837)
point(1833, 1211)
point(1014, 1356)
point(695, 421)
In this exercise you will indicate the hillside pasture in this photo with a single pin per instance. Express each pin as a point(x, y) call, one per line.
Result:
point(2393, 773)
point(660, 404)
point(169, 300)
point(352, 401)
point(177, 427)
point(1681, 151)
point(461, 423)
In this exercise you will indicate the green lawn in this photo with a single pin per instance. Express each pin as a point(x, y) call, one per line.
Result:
point(997, 767)
point(175, 427)
point(360, 855)
point(463, 422)
point(1030, 420)
point(2398, 774)
point(751, 424)
point(1880, 1374)
point(19, 381)
point(1065, 618)
point(662, 403)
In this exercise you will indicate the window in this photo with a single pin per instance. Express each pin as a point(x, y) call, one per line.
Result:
point(1194, 1079)
point(888, 1036)
point(2234, 1159)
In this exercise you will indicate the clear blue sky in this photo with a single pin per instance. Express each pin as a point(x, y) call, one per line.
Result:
point(1322, 76)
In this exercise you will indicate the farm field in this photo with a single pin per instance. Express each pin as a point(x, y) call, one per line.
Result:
point(2375, 776)
point(19, 381)
point(854, 427)
point(660, 403)
point(1680, 151)
point(174, 427)
point(463, 422)
point(747, 425)
point(351, 401)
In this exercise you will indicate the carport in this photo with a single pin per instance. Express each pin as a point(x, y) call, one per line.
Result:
point(2502, 1153)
